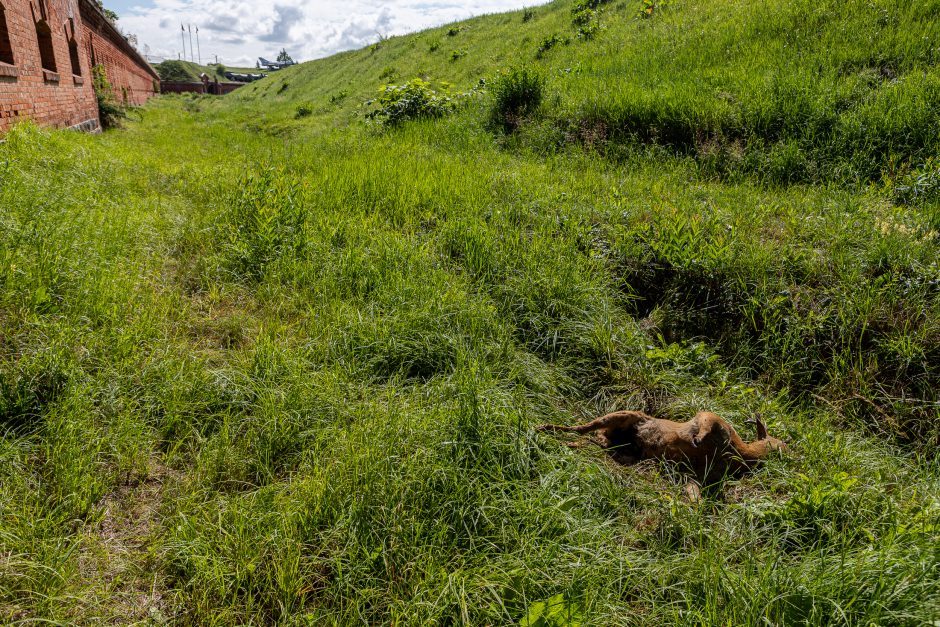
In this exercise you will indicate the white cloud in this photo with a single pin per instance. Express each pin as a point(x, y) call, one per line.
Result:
point(239, 31)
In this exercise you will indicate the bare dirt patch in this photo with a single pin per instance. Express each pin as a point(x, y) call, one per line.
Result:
point(118, 565)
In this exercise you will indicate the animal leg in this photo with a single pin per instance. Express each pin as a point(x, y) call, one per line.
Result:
point(708, 424)
point(617, 420)
point(596, 441)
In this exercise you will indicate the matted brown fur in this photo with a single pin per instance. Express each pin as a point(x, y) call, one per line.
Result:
point(706, 445)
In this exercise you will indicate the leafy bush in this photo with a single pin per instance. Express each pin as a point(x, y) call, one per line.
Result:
point(554, 612)
point(304, 110)
point(582, 15)
point(456, 55)
point(110, 113)
point(516, 94)
point(550, 42)
point(587, 22)
point(650, 7)
point(585, 15)
point(413, 100)
point(528, 15)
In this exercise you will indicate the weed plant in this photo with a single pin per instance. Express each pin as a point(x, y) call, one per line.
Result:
point(516, 95)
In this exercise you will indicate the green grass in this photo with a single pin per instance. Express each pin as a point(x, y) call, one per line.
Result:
point(259, 367)
point(174, 70)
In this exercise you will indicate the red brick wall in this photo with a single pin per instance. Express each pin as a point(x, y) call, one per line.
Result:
point(26, 90)
point(131, 78)
point(60, 98)
point(189, 87)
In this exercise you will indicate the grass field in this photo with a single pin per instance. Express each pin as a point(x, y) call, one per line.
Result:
point(268, 360)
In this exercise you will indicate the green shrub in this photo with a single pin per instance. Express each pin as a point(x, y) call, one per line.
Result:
point(582, 16)
point(550, 42)
point(651, 7)
point(516, 95)
point(304, 110)
point(587, 21)
point(110, 113)
point(456, 55)
point(413, 100)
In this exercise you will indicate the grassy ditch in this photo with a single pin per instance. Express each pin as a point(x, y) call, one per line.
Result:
point(257, 367)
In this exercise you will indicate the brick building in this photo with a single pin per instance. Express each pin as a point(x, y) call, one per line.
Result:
point(47, 51)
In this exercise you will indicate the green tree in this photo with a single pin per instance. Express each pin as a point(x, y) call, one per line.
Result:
point(283, 57)
point(108, 13)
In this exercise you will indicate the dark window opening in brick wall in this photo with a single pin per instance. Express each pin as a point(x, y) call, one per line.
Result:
point(6, 48)
point(73, 55)
point(73, 50)
point(46, 49)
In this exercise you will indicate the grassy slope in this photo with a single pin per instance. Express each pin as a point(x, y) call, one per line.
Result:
point(321, 385)
point(186, 70)
point(795, 90)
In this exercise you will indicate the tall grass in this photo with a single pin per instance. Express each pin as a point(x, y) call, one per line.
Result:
point(316, 348)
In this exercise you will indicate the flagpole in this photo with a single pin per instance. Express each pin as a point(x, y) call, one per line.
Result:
point(183, 35)
point(191, 51)
point(198, 47)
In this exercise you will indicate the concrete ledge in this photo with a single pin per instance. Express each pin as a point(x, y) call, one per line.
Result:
point(9, 70)
point(78, 80)
point(50, 77)
point(88, 126)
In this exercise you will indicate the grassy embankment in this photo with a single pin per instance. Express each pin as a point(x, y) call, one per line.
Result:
point(261, 361)
point(187, 71)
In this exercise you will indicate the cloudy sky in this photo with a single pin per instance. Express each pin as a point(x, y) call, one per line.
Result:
point(239, 31)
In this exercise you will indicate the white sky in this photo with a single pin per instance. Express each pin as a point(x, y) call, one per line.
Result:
point(239, 31)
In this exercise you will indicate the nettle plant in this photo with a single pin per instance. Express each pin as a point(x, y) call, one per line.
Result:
point(414, 100)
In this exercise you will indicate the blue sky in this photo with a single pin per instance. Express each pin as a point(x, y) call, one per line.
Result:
point(121, 6)
point(239, 31)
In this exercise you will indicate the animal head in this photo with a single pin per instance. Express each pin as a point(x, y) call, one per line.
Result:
point(772, 444)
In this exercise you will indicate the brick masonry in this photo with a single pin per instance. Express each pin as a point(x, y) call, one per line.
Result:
point(189, 87)
point(63, 96)
point(133, 80)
